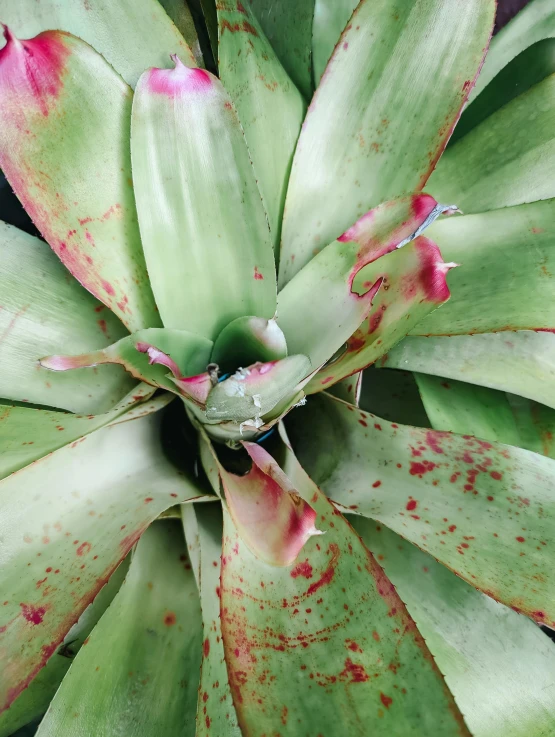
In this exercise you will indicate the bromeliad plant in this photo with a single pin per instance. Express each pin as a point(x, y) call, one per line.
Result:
point(232, 253)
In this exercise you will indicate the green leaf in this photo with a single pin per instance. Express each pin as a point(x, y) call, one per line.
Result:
point(327, 637)
point(397, 61)
point(317, 321)
point(270, 107)
point(483, 509)
point(216, 712)
point(34, 701)
point(68, 520)
point(288, 27)
point(392, 395)
point(252, 392)
point(527, 69)
point(507, 258)
point(348, 389)
point(131, 34)
point(43, 311)
point(178, 11)
point(488, 414)
point(28, 434)
point(498, 665)
point(506, 160)
point(522, 362)
point(139, 674)
point(151, 355)
point(330, 19)
point(211, 260)
point(534, 22)
point(247, 340)
point(64, 148)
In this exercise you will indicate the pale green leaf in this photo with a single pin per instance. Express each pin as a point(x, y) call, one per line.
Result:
point(330, 19)
point(396, 84)
point(507, 159)
point(505, 279)
point(288, 27)
point(534, 22)
point(27, 434)
point(204, 229)
point(138, 675)
point(327, 642)
point(488, 414)
point(348, 389)
point(131, 34)
point(247, 340)
point(483, 509)
point(522, 362)
point(498, 665)
point(270, 107)
point(67, 521)
point(44, 310)
point(34, 701)
point(527, 69)
point(64, 148)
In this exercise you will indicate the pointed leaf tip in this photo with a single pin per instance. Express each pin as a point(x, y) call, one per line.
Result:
point(180, 79)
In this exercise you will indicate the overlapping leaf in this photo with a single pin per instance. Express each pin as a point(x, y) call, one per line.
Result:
point(64, 148)
point(483, 509)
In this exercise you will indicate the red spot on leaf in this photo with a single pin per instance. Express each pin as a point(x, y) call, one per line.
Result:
point(206, 647)
point(303, 569)
point(33, 614)
point(412, 504)
point(354, 671)
point(83, 549)
point(496, 475)
point(386, 700)
point(170, 619)
point(520, 539)
point(328, 574)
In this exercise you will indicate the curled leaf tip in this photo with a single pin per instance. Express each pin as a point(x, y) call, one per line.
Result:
point(8, 35)
point(157, 356)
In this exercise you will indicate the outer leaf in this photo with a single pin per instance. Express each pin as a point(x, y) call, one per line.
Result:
point(253, 392)
point(64, 148)
point(317, 321)
point(527, 69)
point(507, 159)
point(67, 522)
point(498, 665)
point(522, 363)
point(215, 712)
point(118, 31)
point(348, 389)
point(138, 675)
point(324, 640)
point(394, 396)
point(288, 27)
point(202, 219)
point(151, 355)
point(28, 434)
point(270, 107)
point(44, 310)
point(247, 340)
point(330, 18)
point(517, 246)
point(489, 414)
point(178, 11)
point(34, 701)
point(416, 60)
point(485, 510)
point(533, 23)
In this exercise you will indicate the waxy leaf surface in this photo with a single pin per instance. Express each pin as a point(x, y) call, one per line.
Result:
point(498, 665)
point(64, 148)
point(204, 229)
point(415, 63)
point(505, 279)
point(507, 159)
point(131, 34)
point(44, 310)
point(330, 19)
point(483, 509)
point(520, 362)
point(327, 639)
point(67, 522)
point(270, 107)
point(138, 673)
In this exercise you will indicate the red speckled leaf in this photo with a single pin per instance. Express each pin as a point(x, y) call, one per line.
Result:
point(485, 510)
point(67, 521)
point(396, 84)
point(64, 147)
point(327, 642)
point(328, 300)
